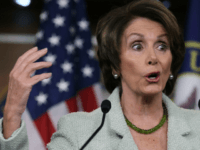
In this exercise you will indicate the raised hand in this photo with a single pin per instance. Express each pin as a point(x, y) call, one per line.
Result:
point(20, 86)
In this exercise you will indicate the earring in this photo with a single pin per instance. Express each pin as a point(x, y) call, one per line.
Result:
point(115, 76)
point(171, 77)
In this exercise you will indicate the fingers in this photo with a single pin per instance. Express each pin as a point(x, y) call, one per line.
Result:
point(36, 66)
point(23, 57)
point(24, 66)
point(35, 56)
point(20, 82)
point(37, 78)
point(29, 59)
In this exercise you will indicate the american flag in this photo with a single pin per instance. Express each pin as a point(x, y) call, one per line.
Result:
point(187, 89)
point(74, 85)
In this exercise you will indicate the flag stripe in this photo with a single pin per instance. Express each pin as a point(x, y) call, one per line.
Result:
point(88, 99)
point(35, 140)
point(56, 112)
point(72, 104)
point(98, 93)
point(79, 103)
point(45, 127)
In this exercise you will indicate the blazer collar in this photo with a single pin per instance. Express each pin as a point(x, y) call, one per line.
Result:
point(178, 128)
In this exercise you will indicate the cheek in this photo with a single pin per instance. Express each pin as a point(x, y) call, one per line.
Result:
point(169, 63)
point(166, 65)
point(167, 60)
point(127, 65)
point(129, 69)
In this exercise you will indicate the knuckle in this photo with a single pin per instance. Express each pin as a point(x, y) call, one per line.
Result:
point(23, 65)
point(19, 81)
point(13, 75)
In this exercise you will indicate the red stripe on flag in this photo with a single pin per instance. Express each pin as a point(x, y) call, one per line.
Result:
point(88, 99)
point(45, 127)
point(72, 105)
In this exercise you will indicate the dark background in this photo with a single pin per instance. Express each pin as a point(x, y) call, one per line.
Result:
point(16, 19)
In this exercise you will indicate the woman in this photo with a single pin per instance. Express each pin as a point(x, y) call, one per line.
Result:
point(140, 52)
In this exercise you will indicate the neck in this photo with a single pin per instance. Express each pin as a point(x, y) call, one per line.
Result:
point(143, 108)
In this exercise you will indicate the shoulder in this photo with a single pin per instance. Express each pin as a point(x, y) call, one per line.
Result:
point(190, 113)
point(191, 116)
point(80, 119)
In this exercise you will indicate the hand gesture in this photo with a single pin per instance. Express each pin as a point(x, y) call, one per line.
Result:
point(20, 86)
point(21, 82)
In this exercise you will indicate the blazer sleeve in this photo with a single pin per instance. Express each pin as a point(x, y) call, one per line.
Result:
point(65, 138)
point(17, 141)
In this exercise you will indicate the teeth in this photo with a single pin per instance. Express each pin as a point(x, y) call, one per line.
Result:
point(152, 77)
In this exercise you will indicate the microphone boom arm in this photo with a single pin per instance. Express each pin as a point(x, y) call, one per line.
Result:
point(97, 130)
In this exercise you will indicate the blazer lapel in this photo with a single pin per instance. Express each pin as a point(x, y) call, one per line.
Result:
point(178, 128)
point(118, 124)
point(127, 143)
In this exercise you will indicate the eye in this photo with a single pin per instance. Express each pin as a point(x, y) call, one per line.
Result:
point(137, 46)
point(163, 47)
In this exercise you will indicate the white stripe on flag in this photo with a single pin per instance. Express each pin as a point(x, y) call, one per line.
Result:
point(56, 112)
point(35, 141)
point(79, 103)
point(101, 93)
point(98, 93)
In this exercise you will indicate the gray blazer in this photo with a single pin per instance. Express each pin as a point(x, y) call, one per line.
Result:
point(74, 129)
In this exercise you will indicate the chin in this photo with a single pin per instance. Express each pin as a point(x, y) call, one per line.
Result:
point(152, 91)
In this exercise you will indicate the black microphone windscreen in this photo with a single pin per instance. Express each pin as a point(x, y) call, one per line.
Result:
point(105, 106)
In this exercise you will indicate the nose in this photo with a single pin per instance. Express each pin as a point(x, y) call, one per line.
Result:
point(152, 58)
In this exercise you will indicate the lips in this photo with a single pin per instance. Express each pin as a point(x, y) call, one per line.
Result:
point(156, 75)
point(152, 73)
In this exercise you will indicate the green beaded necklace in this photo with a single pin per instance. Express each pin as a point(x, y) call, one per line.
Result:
point(165, 116)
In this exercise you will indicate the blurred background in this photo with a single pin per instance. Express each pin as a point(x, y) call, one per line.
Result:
point(20, 20)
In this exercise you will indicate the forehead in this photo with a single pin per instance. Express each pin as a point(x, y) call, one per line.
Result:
point(144, 26)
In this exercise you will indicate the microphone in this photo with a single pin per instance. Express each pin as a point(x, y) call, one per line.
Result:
point(105, 108)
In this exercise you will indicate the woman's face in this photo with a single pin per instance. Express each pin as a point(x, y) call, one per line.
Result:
point(144, 49)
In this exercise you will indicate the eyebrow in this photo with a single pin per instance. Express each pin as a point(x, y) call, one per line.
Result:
point(142, 36)
point(165, 34)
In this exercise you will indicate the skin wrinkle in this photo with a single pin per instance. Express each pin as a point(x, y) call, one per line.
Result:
point(137, 91)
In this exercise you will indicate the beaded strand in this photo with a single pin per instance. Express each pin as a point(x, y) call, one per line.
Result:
point(164, 118)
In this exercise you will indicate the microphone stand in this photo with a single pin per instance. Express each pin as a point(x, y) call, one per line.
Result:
point(97, 130)
point(105, 107)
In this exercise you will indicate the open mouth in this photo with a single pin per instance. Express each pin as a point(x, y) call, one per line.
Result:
point(153, 77)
